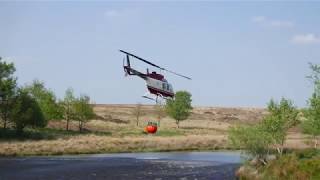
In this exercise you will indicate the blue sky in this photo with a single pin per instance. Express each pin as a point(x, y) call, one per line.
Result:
point(238, 54)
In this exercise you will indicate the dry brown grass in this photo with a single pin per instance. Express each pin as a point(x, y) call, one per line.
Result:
point(98, 144)
point(206, 129)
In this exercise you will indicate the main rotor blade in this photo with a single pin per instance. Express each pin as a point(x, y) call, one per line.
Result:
point(177, 74)
point(150, 63)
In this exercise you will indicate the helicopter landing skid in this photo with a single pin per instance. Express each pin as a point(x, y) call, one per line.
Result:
point(157, 99)
point(149, 98)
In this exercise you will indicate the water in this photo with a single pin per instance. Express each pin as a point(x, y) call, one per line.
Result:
point(219, 156)
point(164, 165)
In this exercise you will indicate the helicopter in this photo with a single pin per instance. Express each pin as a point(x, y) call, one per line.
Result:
point(156, 83)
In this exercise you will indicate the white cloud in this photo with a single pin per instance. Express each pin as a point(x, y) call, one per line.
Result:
point(264, 21)
point(306, 39)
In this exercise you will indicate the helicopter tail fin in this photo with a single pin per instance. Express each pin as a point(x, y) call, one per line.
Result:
point(127, 66)
point(128, 61)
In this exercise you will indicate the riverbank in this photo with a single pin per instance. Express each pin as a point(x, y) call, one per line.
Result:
point(294, 165)
point(92, 144)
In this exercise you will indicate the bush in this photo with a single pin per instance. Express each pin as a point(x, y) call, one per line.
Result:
point(83, 110)
point(180, 107)
point(312, 124)
point(282, 116)
point(26, 112)
point(292, 166)
point(252, 139)
point(257, 140)
point(46, 100)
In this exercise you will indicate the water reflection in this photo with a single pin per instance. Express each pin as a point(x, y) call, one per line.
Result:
point(222, 157)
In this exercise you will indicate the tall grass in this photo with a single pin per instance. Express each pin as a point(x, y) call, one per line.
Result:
point(295, 166)
point(84, 144)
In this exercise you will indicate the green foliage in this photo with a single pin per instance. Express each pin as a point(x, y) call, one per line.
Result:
point(8, 85)
point(46, 100)
point(66, 107)
point(307, 153)
point(281, 117)
point(35, 105)
point(26, 112)
point(253, 139)
point(8, 82)
point(314, 77)
point(312, 124)
point(83, 110)
point(180, 107)
point(292, 166)
point(257, 140)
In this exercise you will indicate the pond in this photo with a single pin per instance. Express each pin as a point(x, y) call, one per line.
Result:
point(218, 157)
point(160, 166)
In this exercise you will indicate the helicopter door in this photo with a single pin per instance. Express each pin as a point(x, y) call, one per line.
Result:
point(155, 83)
point(170, 88)
point(164, 86)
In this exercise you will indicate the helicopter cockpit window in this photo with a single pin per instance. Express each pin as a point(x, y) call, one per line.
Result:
point(170, 87)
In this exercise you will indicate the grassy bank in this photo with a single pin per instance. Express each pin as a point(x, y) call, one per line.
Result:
point(294, 165)
point(85, 144)
point(108, 137)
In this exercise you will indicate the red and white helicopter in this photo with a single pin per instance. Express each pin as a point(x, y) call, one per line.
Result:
point(156, 83)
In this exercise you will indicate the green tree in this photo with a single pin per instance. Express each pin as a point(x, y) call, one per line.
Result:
point(8, 86)
point(312, 123)
point(253, 139)
point(314, 77)
point(270, 132)
point(26, 112)
point(180, 107)
point(67, 106)
point(83, 111)
point(282, 116)
point(46, 100)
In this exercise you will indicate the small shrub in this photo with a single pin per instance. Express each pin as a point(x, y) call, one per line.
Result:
point(303, 165)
